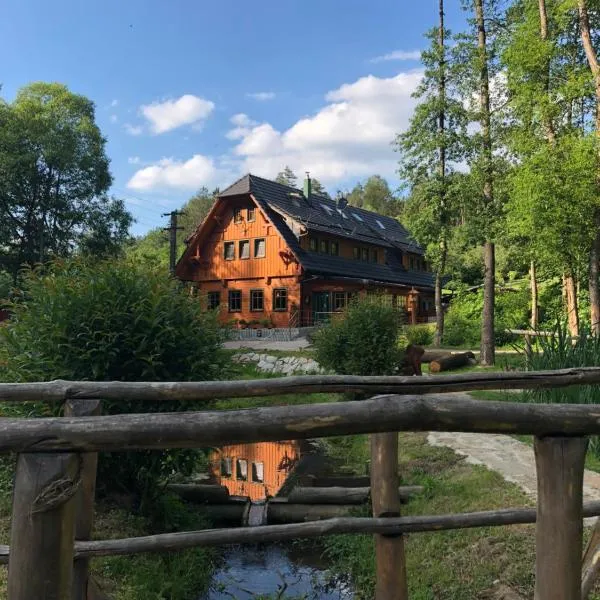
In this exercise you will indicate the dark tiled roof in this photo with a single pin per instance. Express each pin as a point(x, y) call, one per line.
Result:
point(275, 199)
point(322, 214)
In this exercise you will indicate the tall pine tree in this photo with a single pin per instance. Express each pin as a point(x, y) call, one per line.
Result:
point(430, 149)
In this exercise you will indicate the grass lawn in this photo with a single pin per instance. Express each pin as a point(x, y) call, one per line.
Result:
point(452, 565)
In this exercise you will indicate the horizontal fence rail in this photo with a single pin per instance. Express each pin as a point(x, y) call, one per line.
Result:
point(59, 390)
point(213, 428)
point(389, 526)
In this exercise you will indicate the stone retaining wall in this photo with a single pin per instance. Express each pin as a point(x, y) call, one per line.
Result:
point(287, 365)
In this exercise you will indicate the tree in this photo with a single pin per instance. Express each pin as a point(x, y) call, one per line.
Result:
point(287, 177)
point(375, 194)
point(435, 141)
point(154, 246)
point(115, 320)
point(317, 187)
point(54, 177)
point(592, 58)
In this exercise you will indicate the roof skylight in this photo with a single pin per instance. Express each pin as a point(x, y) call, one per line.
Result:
point(357, 217)
point(380, 224)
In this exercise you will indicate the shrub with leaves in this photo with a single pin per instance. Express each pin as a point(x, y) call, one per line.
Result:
point(420, 335)
point(363, 340)
point(115, 321)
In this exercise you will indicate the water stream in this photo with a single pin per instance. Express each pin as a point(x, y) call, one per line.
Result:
point(273, 571)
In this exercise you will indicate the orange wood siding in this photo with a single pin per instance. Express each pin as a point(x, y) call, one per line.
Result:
point(278, 318)
point(210, 258)
point(346, 247)
point(277, 458)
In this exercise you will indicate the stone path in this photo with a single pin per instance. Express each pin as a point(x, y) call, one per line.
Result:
point(295, 344)
point(514, 460)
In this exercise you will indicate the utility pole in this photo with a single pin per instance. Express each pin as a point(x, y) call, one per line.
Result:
point(172, 229)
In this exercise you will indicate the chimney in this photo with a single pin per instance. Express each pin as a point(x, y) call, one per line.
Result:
point(307, 187)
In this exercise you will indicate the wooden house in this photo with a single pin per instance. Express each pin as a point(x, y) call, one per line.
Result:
point(274, 254)
point(255, 470)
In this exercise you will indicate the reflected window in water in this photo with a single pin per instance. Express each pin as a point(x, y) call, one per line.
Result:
point(226, 467)
point(241, 469)
point(258, 472)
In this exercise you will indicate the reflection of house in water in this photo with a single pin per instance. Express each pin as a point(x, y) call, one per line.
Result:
point(255, 470)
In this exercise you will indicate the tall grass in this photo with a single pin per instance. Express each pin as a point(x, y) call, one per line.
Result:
point(559, 351)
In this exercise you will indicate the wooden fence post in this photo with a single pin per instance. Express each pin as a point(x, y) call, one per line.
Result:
point(84, 519)
point(389, 551)
point(559, 527)
point(43, 524)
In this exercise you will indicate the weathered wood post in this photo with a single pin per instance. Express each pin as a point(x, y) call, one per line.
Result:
point(559, 527)
point(389, 551)
point(528, 350)
point(85, 497)
point(43, 525)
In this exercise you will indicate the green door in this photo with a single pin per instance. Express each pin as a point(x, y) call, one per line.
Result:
point(321, 306)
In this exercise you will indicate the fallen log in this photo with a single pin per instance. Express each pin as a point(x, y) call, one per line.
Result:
point(339, 481)
point(431, 355)
point(284, 512)
point(343, 495)
point(234, 512)
point(201, 493)
point(451, 361)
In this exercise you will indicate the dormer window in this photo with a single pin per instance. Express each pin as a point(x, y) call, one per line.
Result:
point(251, 215)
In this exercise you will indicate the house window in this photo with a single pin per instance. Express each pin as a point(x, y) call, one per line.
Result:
point(258, 472)
point(280, 299)
point(374, 255)
point(411, 262)
point(226, 466)
point(340, 300)
point(334, 247)
point(356, 253)
point(324, 246)
point(257, 300)
point(244, 249)
point(251, 216)
point(237, 215)
point(312, 244)
point(235, 301)
point(401, 301)
point(213, 300)
point(241, 469)
point(364, 254)
point(259, 248)
point(229, 250)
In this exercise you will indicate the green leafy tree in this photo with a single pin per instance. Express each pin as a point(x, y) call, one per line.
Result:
point(318, 188)
point(154, 246)
point(54, 177)
point(375, 194)
point(434, 143)
point(115, 320)
point(287, 177)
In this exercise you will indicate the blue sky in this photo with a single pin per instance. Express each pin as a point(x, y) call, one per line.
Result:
point(191, 93)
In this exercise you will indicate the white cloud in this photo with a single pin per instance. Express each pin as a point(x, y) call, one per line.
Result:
point(134, 160)
point(243, 124)
point(114, 103)
point(398, 55)
point(168, 115)
point(133, 129)
point(170, 173)
point(350, 136)
point(114, 118)
point(261, 96)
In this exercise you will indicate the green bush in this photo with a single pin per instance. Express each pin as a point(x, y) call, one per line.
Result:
point(462, 325)
point(420, 335)
point(363, 340)
point(115, 321)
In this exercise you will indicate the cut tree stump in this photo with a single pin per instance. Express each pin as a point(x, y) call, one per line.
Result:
point(451, 361)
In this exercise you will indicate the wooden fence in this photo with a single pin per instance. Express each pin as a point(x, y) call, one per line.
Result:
point(50, 542)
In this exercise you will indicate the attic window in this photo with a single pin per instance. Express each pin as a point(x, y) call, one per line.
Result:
point(327, 208)
point(357, 217)
point(380, 224)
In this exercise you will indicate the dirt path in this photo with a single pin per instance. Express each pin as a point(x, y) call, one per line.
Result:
point(514, 460)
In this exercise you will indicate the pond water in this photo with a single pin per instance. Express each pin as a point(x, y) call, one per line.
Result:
point(274, 571)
